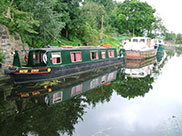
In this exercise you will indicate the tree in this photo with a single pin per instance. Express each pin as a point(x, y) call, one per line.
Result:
point(17, 21)
point(170, 36)
point(179, 39)
point(71, 16)
point(92, 13)
point(108, 4)
point(50, 20)
point(1, 56)
point(90, 22)
point(134, 16)
point(158, 28)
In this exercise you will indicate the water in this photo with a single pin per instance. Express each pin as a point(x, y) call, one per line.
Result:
point(142, 98)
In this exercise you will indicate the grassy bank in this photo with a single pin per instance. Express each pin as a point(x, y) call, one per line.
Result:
point(75, 42)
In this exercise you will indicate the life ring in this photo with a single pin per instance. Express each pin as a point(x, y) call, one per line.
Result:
point(46, 99)
point(45, 58)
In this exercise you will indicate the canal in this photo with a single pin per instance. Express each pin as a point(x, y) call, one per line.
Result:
point(138, 98)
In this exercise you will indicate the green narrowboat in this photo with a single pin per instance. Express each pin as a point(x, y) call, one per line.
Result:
point(50, 63)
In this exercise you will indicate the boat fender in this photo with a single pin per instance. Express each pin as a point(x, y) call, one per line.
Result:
point(45, 58)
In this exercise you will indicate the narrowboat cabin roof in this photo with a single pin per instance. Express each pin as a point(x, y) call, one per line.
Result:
point(71, 48)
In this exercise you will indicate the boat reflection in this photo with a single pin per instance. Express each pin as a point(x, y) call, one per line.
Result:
point(57, 91)
point(57, 106)
point(61, 94)
point(140, 68)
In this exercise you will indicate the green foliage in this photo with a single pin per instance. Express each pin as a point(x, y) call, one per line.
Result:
point(108, 4)
point(16, 20)
point(90, 23)
point(92, 13)
point(170, 36)
point(133, 16)
point(89, 34)
point(158, 28)
point(50, 20)
point(43, 22)
point(1, 56)
point(179, 39)
point(71, 16)
point(74, 41)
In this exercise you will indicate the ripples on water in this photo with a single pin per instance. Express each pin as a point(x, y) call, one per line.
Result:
point(140, 98)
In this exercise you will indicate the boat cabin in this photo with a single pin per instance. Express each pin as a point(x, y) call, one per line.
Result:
point(143, 40)
point(43, 57)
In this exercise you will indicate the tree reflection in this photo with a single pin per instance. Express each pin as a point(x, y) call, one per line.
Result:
point(170, 51)
point(129, 87)
point(31, 115)
point(99, 95)
point(45, 121)
point(178, 51)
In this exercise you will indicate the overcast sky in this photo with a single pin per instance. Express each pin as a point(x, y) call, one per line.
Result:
point(170, 11)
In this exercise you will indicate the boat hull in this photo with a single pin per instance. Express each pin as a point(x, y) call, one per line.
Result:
point(61, 71)
point(139, 55)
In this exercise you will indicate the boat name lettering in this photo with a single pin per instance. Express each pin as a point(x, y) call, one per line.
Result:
point(35, 70)
point(25, 95)
point(23, 71)
point(35, 93)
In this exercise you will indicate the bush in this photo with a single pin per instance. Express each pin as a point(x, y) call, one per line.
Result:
point(1, 56)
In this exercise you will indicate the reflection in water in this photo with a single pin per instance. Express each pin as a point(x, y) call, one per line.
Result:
point(55, 107)
point(30, 110)
point(139, 68)
point(59, 95)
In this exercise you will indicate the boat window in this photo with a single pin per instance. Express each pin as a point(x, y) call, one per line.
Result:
point(76, 56)
point(94, 55)
point(103, 80)
point(76, 90)
point(103, 53)
point(148, 40)
point(142, 40)
point(110, 76)
point(36, 58)
point(135, 40)
point(94, 83)
point(57, 97)
point(111, 53)
point(56, 58)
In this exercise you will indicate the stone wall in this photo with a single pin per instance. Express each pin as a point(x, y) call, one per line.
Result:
point(9, 43)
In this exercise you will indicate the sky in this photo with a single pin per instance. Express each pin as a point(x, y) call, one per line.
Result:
point(170, 11)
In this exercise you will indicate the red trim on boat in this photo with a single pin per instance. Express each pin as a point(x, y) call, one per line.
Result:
point(34, 91)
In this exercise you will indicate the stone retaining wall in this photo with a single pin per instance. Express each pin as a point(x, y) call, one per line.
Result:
point(9, 43)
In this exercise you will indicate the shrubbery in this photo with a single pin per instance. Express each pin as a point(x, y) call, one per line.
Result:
point(1, 56)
